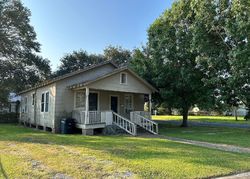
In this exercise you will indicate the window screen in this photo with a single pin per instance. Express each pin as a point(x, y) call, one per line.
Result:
point(123, 78)
point(80, 99)
point(42, 102)
point(47, 102)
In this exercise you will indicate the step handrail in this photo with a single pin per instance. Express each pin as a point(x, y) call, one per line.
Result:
point(145, 123)
point(124, 123)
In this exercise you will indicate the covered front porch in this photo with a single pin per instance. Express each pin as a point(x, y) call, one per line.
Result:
point(97, 108)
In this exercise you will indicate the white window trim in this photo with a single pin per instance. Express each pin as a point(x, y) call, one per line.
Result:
point(42, 94)
point(126, 75)
point(33, 99)
point(44, 111)
point(25, 105)
point(47, 101)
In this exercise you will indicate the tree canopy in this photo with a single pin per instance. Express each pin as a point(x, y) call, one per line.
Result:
point(118, 55)
point(221, 37)
point(19, 64)
point(199, 52)
point(77, 60)
point(81, 59)
point(177, 72)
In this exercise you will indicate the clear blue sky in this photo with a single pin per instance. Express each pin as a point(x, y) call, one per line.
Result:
point(66, 25)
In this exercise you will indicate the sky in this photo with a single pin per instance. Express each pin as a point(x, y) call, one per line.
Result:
point(66, 25)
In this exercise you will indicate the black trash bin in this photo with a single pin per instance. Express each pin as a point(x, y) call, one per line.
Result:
point(68, 126)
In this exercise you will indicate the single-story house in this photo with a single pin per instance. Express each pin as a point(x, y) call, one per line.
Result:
point(97, 96)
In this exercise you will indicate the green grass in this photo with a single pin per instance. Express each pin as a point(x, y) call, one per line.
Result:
point(27, 153)
point(223, 135)
point(218, 119)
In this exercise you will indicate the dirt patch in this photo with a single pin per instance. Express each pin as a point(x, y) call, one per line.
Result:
point(97, 166)
point(23, 153)
point(61, 176)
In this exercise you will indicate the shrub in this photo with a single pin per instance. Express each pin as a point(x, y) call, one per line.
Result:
point(9, 118)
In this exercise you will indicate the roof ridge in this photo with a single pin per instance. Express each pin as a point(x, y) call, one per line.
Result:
point(67, 75)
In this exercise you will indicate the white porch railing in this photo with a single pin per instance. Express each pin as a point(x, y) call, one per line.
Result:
point(109, 117)
point(144, 122)
point(124, 124)
point(94, 117)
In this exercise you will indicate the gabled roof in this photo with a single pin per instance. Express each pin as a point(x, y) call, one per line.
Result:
point(48, 82)
point(86, 83)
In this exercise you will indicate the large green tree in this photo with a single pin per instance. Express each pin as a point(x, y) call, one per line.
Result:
point(77, 60)
point(142, 64)
point(118, 55)
point(20, 66)
point(221, 37)
point(81, 59)
point(177, 72)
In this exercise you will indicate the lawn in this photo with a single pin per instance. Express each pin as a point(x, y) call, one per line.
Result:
point(220, 119)
point(224, 135)
point(28, 153)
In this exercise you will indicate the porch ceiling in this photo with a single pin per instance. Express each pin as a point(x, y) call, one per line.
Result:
point(81, 86)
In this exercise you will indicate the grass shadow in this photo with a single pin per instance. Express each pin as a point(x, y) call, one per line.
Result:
point(2, 170)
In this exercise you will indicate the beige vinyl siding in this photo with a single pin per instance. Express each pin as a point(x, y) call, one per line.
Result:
point(45, 119)
point(113, 82)
point(29, 114)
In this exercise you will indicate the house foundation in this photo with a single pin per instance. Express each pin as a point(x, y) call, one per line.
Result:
point(87, 131)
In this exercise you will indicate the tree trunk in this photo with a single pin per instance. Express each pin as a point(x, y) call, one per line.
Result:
point(184, 117)
point(169, 110)
point(235, 114)
point(247, 117)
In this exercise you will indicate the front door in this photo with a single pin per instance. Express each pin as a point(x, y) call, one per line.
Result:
point(114, 103)
point(93, 101)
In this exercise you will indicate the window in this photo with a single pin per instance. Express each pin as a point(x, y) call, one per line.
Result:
point(93, 101)
point(80, 99)
point(45, 102)
point(25, 104)
point(123, 78)
point(42, 103)
point(33, 99)
point(128, 103)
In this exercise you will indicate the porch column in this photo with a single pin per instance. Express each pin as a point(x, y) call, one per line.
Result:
point(87, 106)
point(150, 103)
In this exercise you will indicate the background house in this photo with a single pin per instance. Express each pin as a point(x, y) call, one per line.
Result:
point(12, 106)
